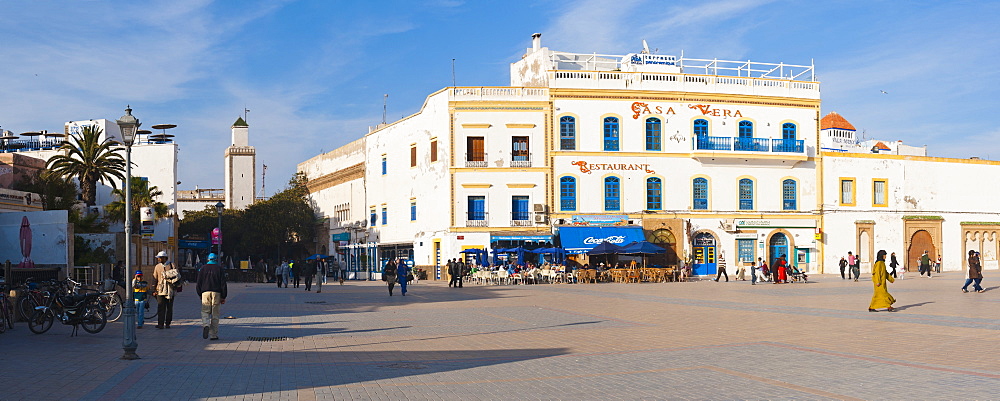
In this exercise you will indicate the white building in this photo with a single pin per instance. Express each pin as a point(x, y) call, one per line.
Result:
point(703, 157)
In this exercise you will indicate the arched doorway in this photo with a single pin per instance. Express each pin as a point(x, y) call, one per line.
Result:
point(920, 242)
point(704, 255)
point(778, 246)
point(664, 239)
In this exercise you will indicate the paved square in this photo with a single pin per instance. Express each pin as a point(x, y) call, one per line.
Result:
point(697, 340)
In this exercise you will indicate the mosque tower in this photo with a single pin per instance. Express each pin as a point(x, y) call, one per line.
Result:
point(241, 168)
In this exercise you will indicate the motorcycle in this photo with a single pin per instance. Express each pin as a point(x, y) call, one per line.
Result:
point(71, 309)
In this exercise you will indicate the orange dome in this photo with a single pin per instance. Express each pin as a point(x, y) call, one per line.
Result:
point(834, 120)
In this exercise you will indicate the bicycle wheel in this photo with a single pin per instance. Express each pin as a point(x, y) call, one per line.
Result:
point(8, 311)
point(26, 306)
point(41, 321)
point(113, 307)
point(150, 311)
point(94, 320)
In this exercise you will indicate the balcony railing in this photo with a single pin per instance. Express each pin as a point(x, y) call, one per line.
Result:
point(521, 160)
point(520, 219)
point(477, 219)
point(751, 145)
point(786, 145)
point(475, 160)
point(714, 143)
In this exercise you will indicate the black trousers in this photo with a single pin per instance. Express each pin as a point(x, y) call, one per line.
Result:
point(842, 268)
point(309, 280)
point(164, 310)
point(722, 272)
point(392, 284)
point(456, 280)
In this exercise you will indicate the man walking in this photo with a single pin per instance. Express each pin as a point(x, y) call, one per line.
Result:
point(843, 268)
point(279, 273)
point(402, 271)
point(852, 263)
point(212, 290)
point(722, 269)
point(925, 264)
point(296, 272)
point(452, 275)
point(460, 269)
point(320, 275)
point(975, 273)
point(286, 273)
point(308, 273)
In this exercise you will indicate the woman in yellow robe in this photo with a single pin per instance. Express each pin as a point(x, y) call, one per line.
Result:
point(881, 298)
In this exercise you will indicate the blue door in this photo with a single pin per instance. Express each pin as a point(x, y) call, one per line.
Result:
point(704, 255)
point(779, 246)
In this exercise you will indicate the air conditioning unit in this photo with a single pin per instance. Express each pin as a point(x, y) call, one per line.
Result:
point(541, 218)
point(727, 225)
point(541, 208)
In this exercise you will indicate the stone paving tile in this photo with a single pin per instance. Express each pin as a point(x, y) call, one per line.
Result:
point(697, 340)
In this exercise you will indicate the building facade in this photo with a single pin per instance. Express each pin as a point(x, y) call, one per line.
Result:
point(712, 160)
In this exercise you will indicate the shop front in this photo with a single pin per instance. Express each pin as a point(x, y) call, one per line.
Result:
point(770, 239)
point(577, 241)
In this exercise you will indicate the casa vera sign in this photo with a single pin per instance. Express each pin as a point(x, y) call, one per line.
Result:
point(587, 168)
point(642, 108)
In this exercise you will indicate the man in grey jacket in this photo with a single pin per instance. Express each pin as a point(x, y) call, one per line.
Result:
point(212, 290)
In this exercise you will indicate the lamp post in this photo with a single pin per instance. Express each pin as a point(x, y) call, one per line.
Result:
point(128, 125)
point(218, 209)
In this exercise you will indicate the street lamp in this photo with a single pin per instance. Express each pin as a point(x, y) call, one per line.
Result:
point(128, 125)
point(218, 209)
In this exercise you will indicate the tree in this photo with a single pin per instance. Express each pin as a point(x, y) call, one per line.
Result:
point(89, 160)
point(143, 195)
point(278, 227)
point(58, 193)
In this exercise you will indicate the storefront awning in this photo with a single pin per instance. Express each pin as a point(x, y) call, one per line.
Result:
point(583, 239)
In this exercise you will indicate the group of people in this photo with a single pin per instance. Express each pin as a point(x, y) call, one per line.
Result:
point(457, 269)
point(396, 271)
point(779, 272)
point(880, 275)
point(166, 283)
point(851, 265)
point(296, 272)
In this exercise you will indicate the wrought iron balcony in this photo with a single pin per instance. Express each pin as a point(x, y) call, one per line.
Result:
point(477, 219)
point(714, 143)
point(521, 160)
point(521, 219)
point(475, 159)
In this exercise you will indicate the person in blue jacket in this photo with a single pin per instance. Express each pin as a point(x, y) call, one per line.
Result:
point(402, 271)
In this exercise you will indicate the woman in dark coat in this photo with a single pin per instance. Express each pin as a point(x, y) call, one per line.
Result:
point(975, 273)
point(389, 275)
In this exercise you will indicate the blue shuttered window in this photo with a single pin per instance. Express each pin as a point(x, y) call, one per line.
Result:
point(567, 133)
point(567, 194)
point(788, 195)
point(654, 133)
point(611, 134)
point(699, 191)
point(746, 129)
point(612, 194)
point(700, 127)
point(477, 208)
point(746, 194)
point(519, 207)
point(787, 131)
point(654, 193)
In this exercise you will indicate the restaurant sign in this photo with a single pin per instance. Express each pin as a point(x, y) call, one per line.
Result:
point(600, 220)
point(587, 168)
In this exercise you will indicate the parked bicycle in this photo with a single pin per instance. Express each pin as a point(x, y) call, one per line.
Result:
point(72, 309)
point(34, 294)
point(6, 310)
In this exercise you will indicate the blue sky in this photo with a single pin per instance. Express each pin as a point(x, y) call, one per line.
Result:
point(313, 73)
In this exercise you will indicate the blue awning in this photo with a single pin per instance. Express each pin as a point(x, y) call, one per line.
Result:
point(583, 239)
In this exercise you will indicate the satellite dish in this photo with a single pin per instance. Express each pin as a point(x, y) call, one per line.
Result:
point(645, 47)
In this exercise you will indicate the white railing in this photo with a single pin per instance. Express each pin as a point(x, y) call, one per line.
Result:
point(499, 93)
point(675, 81)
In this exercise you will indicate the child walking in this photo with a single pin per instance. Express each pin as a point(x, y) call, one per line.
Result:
point(139, 289)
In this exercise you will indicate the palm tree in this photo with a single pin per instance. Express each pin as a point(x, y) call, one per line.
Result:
point(143, 195)
point(89, 160)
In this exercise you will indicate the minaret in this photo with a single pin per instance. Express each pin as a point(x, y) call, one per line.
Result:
point(241, 168)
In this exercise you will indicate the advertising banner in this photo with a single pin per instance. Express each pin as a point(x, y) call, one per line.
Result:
point(35, 239)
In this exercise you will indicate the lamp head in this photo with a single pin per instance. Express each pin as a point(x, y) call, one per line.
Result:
point(128, 125)
point(219, 207)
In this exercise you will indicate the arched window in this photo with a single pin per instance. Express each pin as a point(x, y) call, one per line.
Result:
point(567, 193)
point(611, 134)
point(789, 196)
point(700, 193)
point(787, 131)
point(567, 133)
point(746, 194)
point(746, 129)
point(654, 193)
point(654, 131)
point(612, 193)
point(700, 127)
